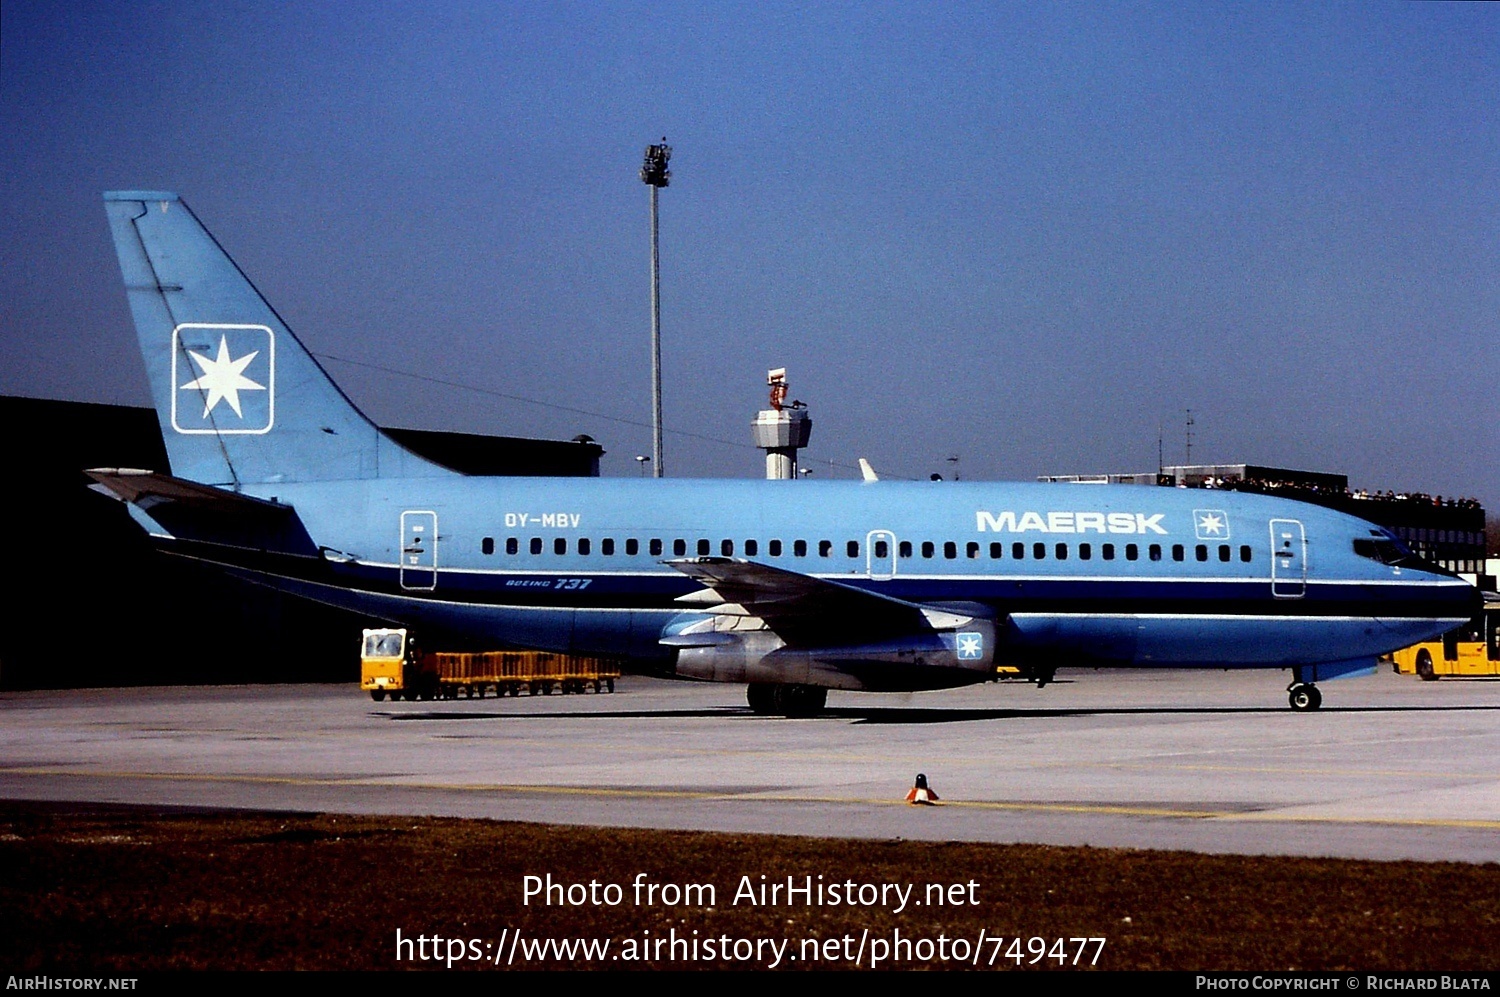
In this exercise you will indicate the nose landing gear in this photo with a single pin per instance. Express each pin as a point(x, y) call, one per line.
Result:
point(1304, 696)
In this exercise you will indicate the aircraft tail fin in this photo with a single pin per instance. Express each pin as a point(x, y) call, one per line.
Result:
point(239, 398)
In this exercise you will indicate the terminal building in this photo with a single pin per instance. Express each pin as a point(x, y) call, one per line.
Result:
point(1449, 532)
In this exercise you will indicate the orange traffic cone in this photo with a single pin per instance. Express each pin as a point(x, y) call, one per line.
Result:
point(921, 794)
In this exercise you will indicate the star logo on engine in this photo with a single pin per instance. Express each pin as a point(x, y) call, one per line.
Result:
point(970, 646)
point(224, 379)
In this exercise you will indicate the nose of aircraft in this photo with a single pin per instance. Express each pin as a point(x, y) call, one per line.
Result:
point(1474, 600)
point(1457, 600)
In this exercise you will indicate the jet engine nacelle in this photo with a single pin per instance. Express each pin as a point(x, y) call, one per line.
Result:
point(938, 659)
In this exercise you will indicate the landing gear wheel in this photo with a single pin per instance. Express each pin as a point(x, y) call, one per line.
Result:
point(786, 700)
point(1304, 697)
point(762, 698)
point(800, 700)
point(1424, 666)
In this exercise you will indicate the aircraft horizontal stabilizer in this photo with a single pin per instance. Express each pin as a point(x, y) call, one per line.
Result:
point(191, 511)
point(805, 611)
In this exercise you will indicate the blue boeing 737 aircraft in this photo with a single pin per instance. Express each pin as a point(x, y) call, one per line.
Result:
point(793, 589)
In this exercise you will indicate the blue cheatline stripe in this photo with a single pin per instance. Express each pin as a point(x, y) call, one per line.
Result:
point(1052, 596)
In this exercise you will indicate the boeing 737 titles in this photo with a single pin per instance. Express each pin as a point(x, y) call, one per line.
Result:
point(791, 589)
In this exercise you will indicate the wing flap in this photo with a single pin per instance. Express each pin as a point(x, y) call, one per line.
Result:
point(803, 610)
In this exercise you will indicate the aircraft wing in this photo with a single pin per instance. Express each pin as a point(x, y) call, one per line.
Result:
point(188, 510)
point(803, 610)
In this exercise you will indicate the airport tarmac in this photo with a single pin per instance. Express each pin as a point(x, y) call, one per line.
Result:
point(1390, 768)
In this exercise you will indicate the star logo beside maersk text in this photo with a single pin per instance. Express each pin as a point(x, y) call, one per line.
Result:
point(970, 646)
point(223, 379)
point(1211, 524)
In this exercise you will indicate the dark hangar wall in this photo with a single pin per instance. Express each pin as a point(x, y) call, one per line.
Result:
point(90, 603)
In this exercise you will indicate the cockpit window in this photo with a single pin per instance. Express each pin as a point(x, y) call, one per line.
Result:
point(1386, 550)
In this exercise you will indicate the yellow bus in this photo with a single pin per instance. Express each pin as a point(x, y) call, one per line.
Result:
point(1472, 649)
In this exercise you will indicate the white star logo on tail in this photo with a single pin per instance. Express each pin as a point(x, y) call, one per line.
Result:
point(219, 362)
point(223, 378)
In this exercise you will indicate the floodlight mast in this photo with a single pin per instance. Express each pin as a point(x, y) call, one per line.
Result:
point(654, 174)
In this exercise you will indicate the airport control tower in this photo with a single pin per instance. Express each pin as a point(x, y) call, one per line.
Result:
point(782, 429)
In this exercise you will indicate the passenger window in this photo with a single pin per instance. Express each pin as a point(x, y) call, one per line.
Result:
point(774, 548)
point(905, 548)
point(632, 547)
point(583, 546)
point(536, 545)
point(487, 545)
point(560, 546)
point(1245, 553)
point(679, 547)
point(751, 548)
point(1108, 550)
point(1062, 552)
point(799, 548)
point(1223, 552)
point(882, 548)
point(703, 548)
point(997, 550)
point(607, 547)
point(928, 549)
point(972, 550)
point(825, 548)
point(1154, 552)
point(852, 548)
point(512, 545)
point(1085, 552)
point(1039, 551)
point(950, 549)
point(1176, 552)
point(1018, 551)
point(1201, 552)
point(726, 548)
point(656, 547)
point(1132, 552)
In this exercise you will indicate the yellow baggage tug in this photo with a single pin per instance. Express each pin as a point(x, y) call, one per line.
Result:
point(392, 665)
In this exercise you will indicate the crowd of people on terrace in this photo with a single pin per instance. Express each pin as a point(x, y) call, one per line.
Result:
point(1315, 488)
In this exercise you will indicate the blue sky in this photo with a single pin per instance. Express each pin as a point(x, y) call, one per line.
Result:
point(1024, 235)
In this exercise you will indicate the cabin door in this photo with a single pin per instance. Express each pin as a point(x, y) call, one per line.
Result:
point(1288, 559)
point(880, 554)
point(419, 550)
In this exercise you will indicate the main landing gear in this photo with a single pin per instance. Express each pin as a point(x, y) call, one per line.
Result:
point(786, 700)
point(1040, 674)
point(1304, 696)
